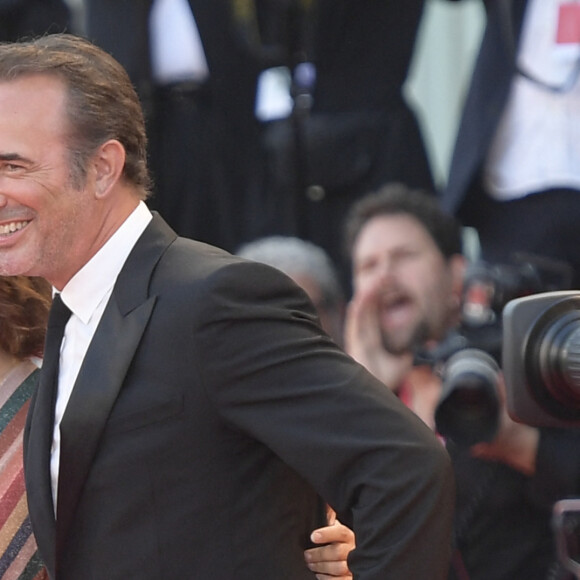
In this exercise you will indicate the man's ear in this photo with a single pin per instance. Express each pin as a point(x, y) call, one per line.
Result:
point(108, 163)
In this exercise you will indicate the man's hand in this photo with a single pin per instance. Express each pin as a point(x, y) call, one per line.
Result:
point(329, 560)
point(515, 444)
point(362, 340)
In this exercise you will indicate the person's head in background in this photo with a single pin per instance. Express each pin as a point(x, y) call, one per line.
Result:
point(311, 268)
point(24, 306)
point(406, 257)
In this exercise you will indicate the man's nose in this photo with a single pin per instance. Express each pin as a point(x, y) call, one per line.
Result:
point(386, 270)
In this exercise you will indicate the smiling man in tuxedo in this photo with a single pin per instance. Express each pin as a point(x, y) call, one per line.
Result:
point(201, 418)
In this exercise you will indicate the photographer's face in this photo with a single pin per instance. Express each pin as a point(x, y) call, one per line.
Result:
point(414, 289)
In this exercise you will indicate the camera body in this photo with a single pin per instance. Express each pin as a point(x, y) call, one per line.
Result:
point(541, 359)
point(469, 359)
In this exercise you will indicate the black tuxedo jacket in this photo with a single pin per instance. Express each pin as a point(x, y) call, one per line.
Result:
point(486, 99)
point(209, 416)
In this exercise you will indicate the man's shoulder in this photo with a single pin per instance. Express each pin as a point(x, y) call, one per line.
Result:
point(192, 258)
point(190, 265)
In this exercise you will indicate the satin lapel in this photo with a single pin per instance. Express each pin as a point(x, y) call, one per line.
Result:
point(104, 369)
point(37, 445)
point(96, 389)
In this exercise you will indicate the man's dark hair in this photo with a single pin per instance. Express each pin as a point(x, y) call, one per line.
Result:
point(398, 199)
point(101, 101)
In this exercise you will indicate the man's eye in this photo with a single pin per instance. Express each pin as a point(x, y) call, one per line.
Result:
point(367, 267)
point(11, 167)
point(407, 255)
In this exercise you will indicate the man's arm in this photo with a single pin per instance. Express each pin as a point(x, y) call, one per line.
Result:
point(278, 378)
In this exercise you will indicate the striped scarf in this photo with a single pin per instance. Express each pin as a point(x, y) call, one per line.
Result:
point(19, 559)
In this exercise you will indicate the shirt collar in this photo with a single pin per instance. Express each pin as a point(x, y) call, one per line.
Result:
point(89, 286)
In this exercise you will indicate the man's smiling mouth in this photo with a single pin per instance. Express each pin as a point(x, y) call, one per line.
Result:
point(12, 227)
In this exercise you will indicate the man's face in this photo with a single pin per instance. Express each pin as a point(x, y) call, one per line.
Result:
point(47, 228)
point(398, 267)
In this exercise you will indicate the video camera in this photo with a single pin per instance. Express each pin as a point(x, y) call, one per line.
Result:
point(541, 359)
point(541, 365)
point(523, 319)
point(469, 360)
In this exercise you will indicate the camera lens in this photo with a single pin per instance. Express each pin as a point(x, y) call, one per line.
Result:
point(468, 409)
point(553, 359)
point(541, 359)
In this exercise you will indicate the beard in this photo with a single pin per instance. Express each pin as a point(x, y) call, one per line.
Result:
point(397, 343)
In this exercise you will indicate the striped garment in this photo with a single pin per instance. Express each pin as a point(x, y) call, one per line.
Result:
point(19, 559)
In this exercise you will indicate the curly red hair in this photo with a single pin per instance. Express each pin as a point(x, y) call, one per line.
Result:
point(24, 306)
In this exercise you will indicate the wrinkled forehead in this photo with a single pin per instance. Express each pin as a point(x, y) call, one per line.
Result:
point(30, 93)
point(32, 113)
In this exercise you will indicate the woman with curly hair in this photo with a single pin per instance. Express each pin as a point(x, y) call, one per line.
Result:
point(24, 306)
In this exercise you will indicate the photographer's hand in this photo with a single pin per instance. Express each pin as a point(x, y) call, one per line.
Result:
point(515, 444)
point(362, 340)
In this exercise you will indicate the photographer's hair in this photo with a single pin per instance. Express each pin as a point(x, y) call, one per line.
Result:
point(295, 256)
point(102, 104)
point(24, 306)
point(398, 199)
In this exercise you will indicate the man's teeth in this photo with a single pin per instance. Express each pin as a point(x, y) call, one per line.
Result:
point(11, 227)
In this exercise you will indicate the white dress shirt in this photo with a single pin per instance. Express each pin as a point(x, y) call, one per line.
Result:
point(86, 295)
point(176, 50)
point(537, 146)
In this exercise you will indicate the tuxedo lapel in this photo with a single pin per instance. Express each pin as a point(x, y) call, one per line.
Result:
point(96, 389)
point(42, 428)
point(104, 368)
point(39, 430)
